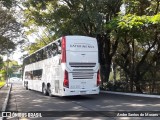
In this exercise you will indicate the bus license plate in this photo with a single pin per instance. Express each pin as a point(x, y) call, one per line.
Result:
point(82, 92)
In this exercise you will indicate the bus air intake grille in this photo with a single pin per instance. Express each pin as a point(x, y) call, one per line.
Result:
point(82, 70)
point(76, 64)
point(82, 75)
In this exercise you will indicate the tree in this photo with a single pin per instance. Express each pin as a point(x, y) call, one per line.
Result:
point(12, 66)
point(131, 40)
point(139, 49)
point(10, 30)
point(1, 63)
point(7, 3)
point(37, 45)
point(81, 17)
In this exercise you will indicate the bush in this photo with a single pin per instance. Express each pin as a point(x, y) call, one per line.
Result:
point(1, 83)
point(2, 75)
point(119, 86)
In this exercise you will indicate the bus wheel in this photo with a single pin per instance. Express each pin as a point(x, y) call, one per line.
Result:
point(44, 90)
point(26, 87)
point(49, 91)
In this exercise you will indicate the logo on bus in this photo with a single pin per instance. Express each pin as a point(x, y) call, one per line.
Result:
point(81, 45)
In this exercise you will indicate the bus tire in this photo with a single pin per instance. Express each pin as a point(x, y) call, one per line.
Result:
point(44, 90)
point(49, 91)
point(26, 87)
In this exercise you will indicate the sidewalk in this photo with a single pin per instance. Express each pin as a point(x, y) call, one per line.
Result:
point(4, 95)
point(132, 94)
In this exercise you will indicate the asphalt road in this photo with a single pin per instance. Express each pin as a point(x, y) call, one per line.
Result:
point(91, 107)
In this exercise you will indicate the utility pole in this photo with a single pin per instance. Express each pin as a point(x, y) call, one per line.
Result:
point(7, 63)
point(7, 68)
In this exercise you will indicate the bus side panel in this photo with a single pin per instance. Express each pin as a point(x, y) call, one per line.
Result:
point(52, 74)
point(37, 85)
point(61, 79)
point(57, 77)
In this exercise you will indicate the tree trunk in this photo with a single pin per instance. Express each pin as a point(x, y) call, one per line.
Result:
point(138, 88)
point(127, 86)
point(131, 85)
point(114, 72)
point(104, 57)
point(153, 86)
point(137, 83)
point(105, 73)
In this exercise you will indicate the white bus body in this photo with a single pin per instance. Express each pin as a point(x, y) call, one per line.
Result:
point(72, 70)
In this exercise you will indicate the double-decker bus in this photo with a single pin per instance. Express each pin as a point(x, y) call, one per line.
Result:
point(65, 67)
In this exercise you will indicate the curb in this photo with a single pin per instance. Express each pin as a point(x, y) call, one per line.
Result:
point(132, 94)
point(6, 100)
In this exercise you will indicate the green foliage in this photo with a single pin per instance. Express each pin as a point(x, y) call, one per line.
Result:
point(2, 74)
point(7, 3)
point(132, 40)
point(12, 67)
point(71, 17)
point(138, 7)
point(118, 86)
point(156, 19)
point(11, 63)
point(39, 43)
point(6, 45)
point(131, 21)
point(139, 37)
point(10, 31)
point(1, 62)
point(2, 83)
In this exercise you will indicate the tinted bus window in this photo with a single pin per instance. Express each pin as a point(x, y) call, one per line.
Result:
point(34, 75)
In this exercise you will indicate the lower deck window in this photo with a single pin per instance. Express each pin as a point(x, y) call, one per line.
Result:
point(33, 75)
